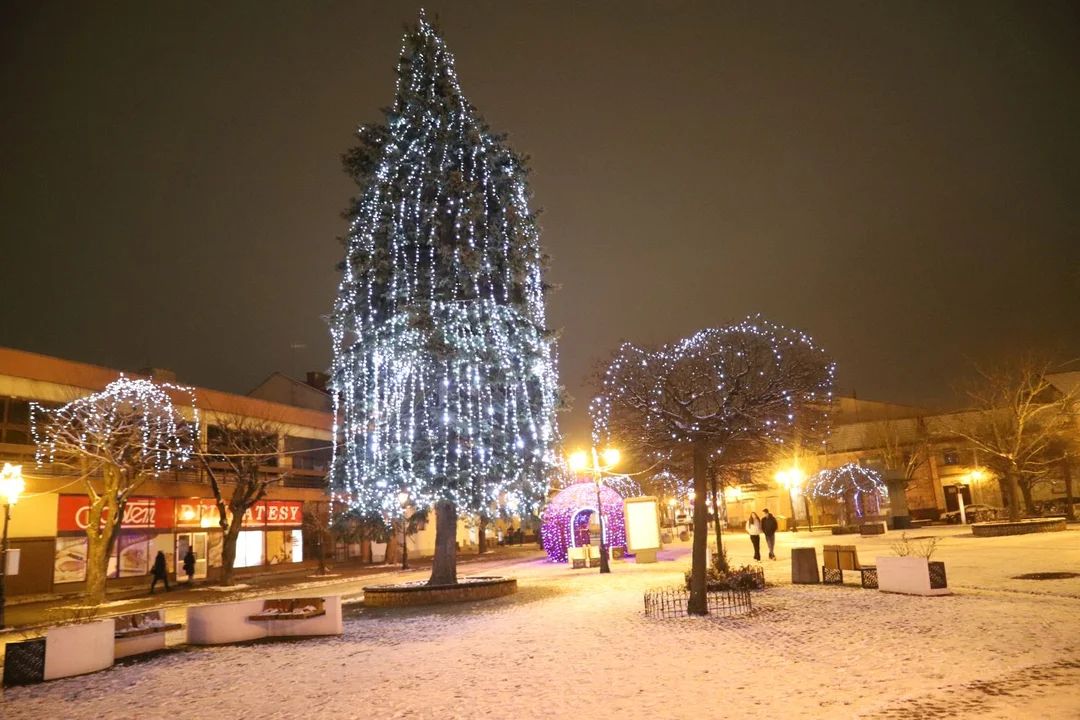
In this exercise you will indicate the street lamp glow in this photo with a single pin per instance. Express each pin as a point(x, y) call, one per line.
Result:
point(578, 461)
point(11, 483)
point(611, 457)
point(403, 498)
point(976, 475)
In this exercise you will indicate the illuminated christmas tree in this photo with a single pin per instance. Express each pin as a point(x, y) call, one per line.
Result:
point(444, 370)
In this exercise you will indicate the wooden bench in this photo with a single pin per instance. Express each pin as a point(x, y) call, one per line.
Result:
point(142, 632)
point(839, 558)
point(289, 609)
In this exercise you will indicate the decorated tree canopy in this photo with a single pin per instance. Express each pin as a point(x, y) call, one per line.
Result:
point(444, 369)
point(850, 482)
point(569, 511)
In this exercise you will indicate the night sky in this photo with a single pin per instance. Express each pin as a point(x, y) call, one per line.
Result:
point(900, 180)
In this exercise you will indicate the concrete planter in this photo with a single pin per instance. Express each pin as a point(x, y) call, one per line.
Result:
point(79, 649)
point(411, 595)
point(223, 623)
point(911, 576)
point(1022, 527)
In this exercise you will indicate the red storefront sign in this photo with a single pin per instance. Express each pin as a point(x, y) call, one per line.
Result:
point(73, 513)
point(275, 513)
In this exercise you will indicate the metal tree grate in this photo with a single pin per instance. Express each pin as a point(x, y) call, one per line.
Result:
point(937, 576)
point(24, 662)
point(672, 602)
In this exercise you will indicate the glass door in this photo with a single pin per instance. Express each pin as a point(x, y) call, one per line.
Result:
point(197, 542)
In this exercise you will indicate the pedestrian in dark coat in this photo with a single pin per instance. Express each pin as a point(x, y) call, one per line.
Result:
point(769, 526)
point(160, 572)
point(189, 565)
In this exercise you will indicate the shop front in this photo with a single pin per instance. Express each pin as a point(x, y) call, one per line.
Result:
point(271, 535)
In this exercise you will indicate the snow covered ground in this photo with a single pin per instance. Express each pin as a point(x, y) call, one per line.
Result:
point(574, 643)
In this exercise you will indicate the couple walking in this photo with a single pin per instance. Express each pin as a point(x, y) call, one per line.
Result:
point(766, 526)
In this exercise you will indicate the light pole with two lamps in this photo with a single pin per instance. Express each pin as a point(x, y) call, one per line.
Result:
point(11, 487)
point(580, 461)
point(792, 480)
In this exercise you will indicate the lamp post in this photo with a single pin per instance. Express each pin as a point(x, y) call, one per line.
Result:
point(11, 486)
point(792, 480)
point(403, 499)
point(580, 461)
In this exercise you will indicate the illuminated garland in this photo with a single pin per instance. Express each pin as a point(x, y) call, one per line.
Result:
point(129, 424)
point(862, 484)
point(558, 528)
point(444, 371)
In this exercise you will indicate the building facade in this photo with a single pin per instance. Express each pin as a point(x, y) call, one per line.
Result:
point(169, 513)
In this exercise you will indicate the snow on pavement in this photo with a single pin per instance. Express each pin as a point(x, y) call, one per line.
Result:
point(576, 642)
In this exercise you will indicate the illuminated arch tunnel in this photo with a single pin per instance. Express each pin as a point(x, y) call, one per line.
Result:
point(566, 519)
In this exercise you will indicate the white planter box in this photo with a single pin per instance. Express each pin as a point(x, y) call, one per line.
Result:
point(378, 552)
point(225, 623)
point(906, 575)
point(228, 622)
point(78, 649)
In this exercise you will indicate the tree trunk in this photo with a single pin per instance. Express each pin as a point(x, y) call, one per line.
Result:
point(228, 548)
point(1029, 499)
point(102, 521)
point(481, 541)
point(1066, 474)
point(444, 564)
point(698, 603)
point(1012, 476)
point(721, 560)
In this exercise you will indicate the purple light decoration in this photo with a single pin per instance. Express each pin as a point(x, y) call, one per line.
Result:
point(566, 519)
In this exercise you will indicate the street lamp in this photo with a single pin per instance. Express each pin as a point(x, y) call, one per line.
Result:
point(579, 461)
point(792, 480)
point(11, 486)
point(403, 500)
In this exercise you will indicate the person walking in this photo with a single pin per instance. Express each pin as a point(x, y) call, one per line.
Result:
point(189, 565)
point(160, 571)
point(753, 528)
point(769, 527)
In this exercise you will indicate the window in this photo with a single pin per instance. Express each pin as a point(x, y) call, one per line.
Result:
point(15, 421)
point(951, 456)
point(249, 548)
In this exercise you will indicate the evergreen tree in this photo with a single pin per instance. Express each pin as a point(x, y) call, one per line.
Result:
point(444, 371)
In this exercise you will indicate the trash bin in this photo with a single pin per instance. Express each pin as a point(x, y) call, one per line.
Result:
point(804, 566)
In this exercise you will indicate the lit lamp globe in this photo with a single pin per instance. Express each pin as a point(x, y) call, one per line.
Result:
point(611, 457)
point(578, 461)
point(403, 498)
point(11, 483)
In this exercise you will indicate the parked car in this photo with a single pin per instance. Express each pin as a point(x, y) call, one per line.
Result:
point(974, 513)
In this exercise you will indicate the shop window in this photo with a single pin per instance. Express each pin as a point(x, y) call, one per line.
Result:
point(133, 555)
point(249, 548)
point(69, 565)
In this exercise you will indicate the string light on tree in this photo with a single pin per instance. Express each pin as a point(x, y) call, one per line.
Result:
point(863, 487)
point(444, 369)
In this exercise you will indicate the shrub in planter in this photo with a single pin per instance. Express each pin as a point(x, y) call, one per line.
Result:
point(721, 576)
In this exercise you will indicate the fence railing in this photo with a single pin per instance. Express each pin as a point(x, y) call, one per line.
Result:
point(672, 602)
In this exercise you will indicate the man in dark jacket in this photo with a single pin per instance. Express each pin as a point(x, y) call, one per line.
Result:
point(769, 527)
point(160, 571)
point(189, 565)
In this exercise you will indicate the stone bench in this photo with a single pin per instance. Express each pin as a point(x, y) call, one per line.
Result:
point(142, 632)
point(245, 620)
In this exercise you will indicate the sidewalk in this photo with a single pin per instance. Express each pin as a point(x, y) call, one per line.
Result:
point(348, 580)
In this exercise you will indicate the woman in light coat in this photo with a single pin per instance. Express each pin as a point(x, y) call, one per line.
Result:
point(753, 527)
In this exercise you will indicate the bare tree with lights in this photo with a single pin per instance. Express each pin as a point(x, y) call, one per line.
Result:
point(116, 439)
point(444, 369)
point(687, 403)
point(1018, 422)
point(902, 454)
point(241, 463)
